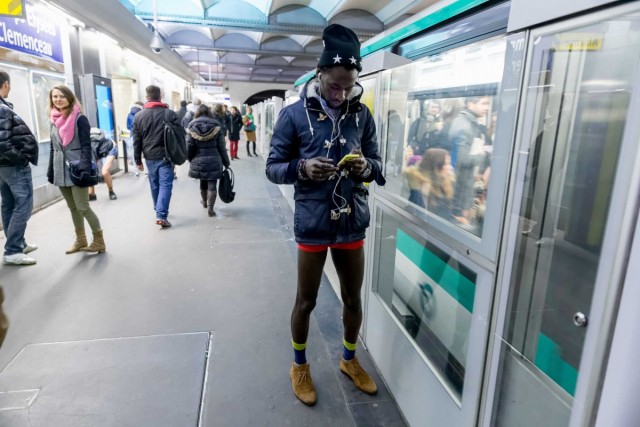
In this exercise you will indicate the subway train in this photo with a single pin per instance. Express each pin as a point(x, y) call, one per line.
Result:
point(501, 287)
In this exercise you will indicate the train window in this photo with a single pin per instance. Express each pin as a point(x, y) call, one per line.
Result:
point(441, 120)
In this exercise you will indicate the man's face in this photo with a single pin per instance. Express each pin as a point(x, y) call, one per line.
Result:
point(336, 84)
point(480, 108)
point(5, 89)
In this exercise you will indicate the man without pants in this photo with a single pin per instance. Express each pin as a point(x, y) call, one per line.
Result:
point(148, 139)
point(331, 212)
point(18, 148)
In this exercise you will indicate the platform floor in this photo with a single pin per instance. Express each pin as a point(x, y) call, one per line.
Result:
point(177, 327)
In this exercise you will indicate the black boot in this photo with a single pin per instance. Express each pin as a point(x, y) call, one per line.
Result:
point(248, 152)
point(254, 148)
point(211, 200)
point(203, 195)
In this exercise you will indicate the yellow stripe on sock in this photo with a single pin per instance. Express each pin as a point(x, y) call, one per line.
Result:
point(297, 346)
point(348, 345)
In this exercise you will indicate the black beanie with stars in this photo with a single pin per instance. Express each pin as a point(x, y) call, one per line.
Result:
point(341, 47)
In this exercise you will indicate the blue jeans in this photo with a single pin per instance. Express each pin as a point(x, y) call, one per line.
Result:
point(16, 190)
point(161, 182)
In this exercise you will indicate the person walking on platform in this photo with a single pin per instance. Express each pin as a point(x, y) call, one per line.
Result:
point(106, 151)
point(71, 141)
point(207, 154)
point(191, 111)
point(182, 111)
point(135, 108)
point(18, 148)
point(148, 139)
point(234, 132)
point(250, 131)
point(331, 211)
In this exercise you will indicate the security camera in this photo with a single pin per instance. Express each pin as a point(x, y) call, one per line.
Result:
point(156, 43)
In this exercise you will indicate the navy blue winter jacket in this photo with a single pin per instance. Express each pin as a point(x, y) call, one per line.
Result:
point(302, 131)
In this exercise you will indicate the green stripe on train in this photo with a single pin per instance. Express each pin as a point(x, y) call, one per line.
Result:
point(448, 278)
point(438, 16)
point(550, 362)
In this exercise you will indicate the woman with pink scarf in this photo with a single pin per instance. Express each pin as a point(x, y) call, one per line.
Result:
point(70, 141)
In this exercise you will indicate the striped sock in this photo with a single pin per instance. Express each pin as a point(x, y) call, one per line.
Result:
point(349, 350)
point(299, 353)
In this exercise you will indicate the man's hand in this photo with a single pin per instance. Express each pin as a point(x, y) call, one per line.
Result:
point(320, 168)
point(358, 165)
point(140, 167)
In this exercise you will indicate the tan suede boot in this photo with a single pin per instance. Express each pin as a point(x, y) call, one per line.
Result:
point(360, 378)
point(97, 245)
point(302, 384)
point(81, 242)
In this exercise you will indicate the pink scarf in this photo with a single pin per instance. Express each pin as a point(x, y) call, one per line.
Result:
point(66, 125)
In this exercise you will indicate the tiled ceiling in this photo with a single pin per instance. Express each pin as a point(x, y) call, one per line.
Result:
point(262, 40)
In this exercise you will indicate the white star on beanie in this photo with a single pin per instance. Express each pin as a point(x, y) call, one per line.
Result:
point(337, 59)
point(353, 60)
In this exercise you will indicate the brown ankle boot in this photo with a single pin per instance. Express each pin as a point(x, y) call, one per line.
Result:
point(81, 242)
point(302, 384)
point(97, 245)
point(360, 378)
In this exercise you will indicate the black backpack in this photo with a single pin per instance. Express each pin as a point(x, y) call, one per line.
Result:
point(225, 186)
point(174, 140)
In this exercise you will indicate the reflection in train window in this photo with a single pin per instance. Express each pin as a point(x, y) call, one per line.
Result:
point(430, 293)
point(440, 130)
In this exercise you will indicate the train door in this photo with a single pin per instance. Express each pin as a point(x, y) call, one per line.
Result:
point(570, 219)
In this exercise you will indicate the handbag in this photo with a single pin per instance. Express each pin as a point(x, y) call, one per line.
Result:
point(80, 178)
point(225, 186)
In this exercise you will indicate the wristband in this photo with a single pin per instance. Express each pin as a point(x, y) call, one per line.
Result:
point(302, 173)
point(367, 171)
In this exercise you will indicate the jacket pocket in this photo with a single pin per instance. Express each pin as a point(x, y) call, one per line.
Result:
point(360, 215)
point(311, 217)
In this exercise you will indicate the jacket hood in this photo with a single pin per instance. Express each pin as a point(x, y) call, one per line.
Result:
point(97, 134)
point(203, 128)
point(134, 109)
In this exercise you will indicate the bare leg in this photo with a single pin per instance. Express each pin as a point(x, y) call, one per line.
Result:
point(106, 174)
point(310, 266)
point(350, 268)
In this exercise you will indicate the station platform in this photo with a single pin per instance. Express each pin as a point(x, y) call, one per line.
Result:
point(185, 326)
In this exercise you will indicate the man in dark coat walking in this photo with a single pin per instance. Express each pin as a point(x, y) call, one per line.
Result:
point(148, 139)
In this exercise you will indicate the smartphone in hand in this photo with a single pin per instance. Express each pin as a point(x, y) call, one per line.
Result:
point(347, 158)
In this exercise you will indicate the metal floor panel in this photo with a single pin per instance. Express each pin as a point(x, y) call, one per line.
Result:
point(140, 381)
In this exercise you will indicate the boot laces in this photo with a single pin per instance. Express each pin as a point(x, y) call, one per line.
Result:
point(303, 376)
point(354, 367)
